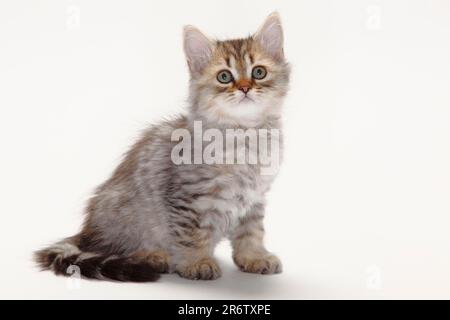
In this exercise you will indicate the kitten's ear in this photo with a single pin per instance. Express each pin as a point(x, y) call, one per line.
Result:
point(270, 36)
point(198, 49)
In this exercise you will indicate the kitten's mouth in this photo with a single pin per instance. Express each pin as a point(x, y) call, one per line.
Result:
point(246, 99)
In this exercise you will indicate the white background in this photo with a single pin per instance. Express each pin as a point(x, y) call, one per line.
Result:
point(361, 208)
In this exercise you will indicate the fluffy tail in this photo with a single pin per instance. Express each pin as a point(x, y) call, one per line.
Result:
point(65, 258)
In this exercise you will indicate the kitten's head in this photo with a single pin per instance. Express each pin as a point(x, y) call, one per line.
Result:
point(239, 81)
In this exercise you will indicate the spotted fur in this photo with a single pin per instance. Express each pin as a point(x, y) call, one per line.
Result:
point(152, 216)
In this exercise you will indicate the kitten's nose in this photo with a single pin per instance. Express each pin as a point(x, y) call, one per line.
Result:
point(244, 89)
point(244, 85)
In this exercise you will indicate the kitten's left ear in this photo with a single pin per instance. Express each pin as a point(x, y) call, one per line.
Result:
point(270, 36)
point(198, 49)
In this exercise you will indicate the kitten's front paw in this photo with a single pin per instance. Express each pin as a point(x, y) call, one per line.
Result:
point(264, 264)
point(204, 269)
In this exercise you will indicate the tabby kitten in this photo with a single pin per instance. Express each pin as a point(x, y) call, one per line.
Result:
point(153, 216)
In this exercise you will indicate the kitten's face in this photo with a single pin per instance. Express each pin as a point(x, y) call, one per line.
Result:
point(238, 81)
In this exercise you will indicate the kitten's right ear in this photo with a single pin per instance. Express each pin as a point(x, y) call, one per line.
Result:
point(270, 36)
point(198, 49)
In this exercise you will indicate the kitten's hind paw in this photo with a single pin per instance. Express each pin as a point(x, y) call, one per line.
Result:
point(204, 269)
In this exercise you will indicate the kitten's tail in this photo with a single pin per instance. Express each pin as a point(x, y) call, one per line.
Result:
point(65, 258)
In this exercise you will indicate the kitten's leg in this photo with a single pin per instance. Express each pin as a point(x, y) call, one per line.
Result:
point(249, 253)
point(160, 259)
point(193, 255)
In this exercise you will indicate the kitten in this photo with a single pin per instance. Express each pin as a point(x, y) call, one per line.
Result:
point(153, 216)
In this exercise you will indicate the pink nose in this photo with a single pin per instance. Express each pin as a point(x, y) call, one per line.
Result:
point(244, 89)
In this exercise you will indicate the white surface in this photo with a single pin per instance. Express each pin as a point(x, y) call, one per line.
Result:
point(361, 208)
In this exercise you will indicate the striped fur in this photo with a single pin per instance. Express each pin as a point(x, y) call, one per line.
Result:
point(61, 257)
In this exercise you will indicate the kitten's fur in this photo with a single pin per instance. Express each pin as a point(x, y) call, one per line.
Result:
point(153, 216)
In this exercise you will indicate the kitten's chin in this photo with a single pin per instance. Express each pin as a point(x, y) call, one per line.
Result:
point(245, 113)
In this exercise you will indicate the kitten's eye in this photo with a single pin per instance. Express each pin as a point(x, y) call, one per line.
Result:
point(259, 73)
point(224, 76)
